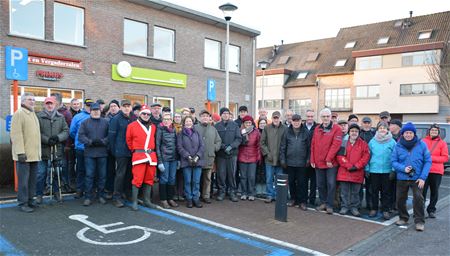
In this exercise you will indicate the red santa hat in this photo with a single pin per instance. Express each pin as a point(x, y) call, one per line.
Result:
point(145, 109)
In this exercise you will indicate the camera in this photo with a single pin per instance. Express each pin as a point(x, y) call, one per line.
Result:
point(412, 172)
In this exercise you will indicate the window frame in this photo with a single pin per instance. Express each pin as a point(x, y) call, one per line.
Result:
point(22, 35)
point(350, 45)
point(419, 54)
point(239, 59)
point(425, 32)
point(340, 61)
point(422, 93)
point(123, 35)
point(297, 106)
point(275, 103)
point(329, 102)
point(367, 91)
point(383, 40)
point(173, 42)
point(83, 23)
point(303, 73)
point(219, 53)
point(371, 60)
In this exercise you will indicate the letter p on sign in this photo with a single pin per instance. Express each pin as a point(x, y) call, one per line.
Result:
point(16, 63)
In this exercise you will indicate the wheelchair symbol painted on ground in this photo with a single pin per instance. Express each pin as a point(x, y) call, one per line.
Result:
point(103, 229)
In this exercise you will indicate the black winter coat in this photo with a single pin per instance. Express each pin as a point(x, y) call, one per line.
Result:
point(117, 135)
point(90, 130)
point(367, 135)
point(166, 144)
point(294, 148)
point(230, 135)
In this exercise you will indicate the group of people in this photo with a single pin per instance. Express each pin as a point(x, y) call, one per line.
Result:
point(124, 150)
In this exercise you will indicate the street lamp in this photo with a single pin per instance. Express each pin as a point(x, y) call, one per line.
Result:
point(227, 9)
point(263, 65)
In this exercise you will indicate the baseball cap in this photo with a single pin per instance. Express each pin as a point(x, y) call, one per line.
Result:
point(49, 99)
point(342, 121)
point(384, 114)
point(156, 104)
point(296, 117)
point(276, 114)
point(95, 106)
point(88, 102)
point(125, 102)
point(100, 101)
point(366, 119)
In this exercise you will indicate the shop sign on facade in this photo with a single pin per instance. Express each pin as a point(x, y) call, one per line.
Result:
point(49, 75)
point(125, 73)
point(54, 61)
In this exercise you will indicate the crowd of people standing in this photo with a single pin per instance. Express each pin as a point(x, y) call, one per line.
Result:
point(114, 154)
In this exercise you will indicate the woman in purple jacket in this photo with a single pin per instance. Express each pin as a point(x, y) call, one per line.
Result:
point(190, 148)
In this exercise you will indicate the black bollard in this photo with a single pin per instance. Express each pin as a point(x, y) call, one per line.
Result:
point(281, 202)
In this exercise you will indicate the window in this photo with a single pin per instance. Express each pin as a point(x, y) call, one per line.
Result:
point(419, 58)
point(164, 44)
point(368, 91)
point(234, 59)
point(300, 106)
point(368, 62)
point(313, 56)
point(337, 98)
point(425, 34)
point(302, 75)
point(383, 40)
point(340, 63)
point(271, 104)
point(68, 24)
point(350, 44)
point(212, 54)
point(135, 37)
point(136, 98)
point(27, 18)
point(271, 81)
point(418, 89)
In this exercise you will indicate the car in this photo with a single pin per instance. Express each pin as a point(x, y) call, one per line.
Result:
point(422, 131)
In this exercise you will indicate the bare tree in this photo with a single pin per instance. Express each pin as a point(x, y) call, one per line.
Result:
point(440, 72)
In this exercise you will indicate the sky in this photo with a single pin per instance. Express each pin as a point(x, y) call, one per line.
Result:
point(299, 20)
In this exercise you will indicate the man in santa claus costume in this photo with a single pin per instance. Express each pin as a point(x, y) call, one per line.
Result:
point(141, 141)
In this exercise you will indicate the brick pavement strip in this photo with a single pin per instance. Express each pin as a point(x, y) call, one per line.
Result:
point(311, 229)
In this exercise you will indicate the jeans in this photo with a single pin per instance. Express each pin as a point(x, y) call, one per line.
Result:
point(26, 177)
point(418, 202)
point(350, 194)
point(226, 173)
point(80, 169)
point(271, 173)
point(326, 183)
point(169, 174)
point(42, 172)
point(248, 177)
point(95, 167)
point(433, 182)
point(192, 182)
point(123, 167)
point(380, 184)
point(298, 184)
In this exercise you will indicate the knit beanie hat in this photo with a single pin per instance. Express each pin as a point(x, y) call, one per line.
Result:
point(408, 127)
point(222, 110)
point(434, 126)
point(247, 118)
point(115, 102)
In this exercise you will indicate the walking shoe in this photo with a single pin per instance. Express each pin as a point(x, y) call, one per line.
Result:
point(244, 197)
point(102, 200)
point(321, 207)
point(87, 202)
point(386, 215)
point(372, 213)
point(329, 210)
point(26, 208)
point(268, 200)
point(432, 215)
point(207, 200)
point(173, 203)
point(33, 204)
point(303, 207)
point(251, 198)
point(233, 198)
point(118, 203)
point(198, 204)
point(78, 194)
point(401, 222)
point(189, 204)
point(165, 204)
point(420, 227)
point(291, 203)
point(355, 212)
point(220, 197)
point(39, 199)
point(343, 211)
point(109, 195)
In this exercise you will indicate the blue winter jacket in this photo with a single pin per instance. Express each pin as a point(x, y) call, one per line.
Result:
point(380, 156)
point(75, 126)
point(419, 158)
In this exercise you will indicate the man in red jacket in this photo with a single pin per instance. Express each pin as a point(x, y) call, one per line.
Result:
point(141, 141)
point(325, 144)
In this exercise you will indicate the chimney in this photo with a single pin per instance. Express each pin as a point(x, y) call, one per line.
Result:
point(282, 41)
point(410, 14)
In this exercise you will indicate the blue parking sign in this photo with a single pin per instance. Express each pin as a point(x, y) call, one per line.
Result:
point(8, 123)
point(16, 63)
point(211, 89)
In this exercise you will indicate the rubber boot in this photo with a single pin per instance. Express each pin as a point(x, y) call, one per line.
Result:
point(134, 196)
point(170, 193)
point(148, 196)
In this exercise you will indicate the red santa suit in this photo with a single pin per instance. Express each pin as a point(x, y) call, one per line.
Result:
point(141, 141)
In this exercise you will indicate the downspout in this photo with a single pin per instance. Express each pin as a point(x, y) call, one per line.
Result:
point(253, 98)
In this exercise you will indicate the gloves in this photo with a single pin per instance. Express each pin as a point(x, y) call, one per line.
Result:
point(191, 161)
point(53, 140)
point(228, 150)
point(22, 158)
point(161, 167)
point(178, 165)
point(195, 159)
point(352, 169)
point(367, 175)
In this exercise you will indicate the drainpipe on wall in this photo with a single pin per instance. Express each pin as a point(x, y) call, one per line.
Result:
point(318, 94)
point(253, 99)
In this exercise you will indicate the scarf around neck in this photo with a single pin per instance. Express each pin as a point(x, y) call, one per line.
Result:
point(408, 144)
point(383, 139)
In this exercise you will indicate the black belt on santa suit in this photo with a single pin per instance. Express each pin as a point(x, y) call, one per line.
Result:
point(148, 151)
